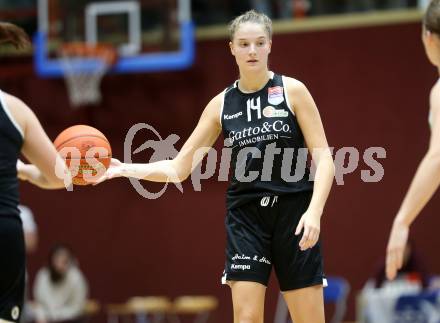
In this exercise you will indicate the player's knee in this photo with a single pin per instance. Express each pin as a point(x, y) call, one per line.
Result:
point(249, 316)
point(250, 319)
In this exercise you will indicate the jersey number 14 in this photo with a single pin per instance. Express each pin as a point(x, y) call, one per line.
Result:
point(253, 104)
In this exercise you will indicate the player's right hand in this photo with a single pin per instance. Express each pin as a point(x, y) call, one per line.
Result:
point(310, 224)
point(21, 174)
point(114, 170)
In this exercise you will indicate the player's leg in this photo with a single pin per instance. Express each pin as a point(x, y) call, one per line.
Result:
point(248, 259)
point(306, 305)
point(12, 278)
point(300, 273)
point(248, 301)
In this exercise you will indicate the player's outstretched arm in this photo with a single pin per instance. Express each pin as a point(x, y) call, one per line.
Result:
point(177, 170)
point(310, 122)
point(47, 169)
point(424, 184)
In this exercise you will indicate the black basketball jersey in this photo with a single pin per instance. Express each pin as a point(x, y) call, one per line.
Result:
point(269, 156)
point(11, 141)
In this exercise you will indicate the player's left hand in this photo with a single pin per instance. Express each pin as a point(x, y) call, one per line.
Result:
point(311, 223)
point(396, 248)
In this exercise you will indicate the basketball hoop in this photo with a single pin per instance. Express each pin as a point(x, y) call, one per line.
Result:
point(84, 66)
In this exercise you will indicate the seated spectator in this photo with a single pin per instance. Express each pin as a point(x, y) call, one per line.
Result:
point(60, 289)
point(279, 9)
point(393, 4)
point(320, 7)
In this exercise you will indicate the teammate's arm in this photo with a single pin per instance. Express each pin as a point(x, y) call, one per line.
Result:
point(310, 122)
point(177, 170)
point(37, 148)
point(424, 184)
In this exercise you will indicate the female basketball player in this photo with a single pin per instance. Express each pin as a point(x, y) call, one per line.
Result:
point(427, 178)
point(20, 132)
point(266, 117)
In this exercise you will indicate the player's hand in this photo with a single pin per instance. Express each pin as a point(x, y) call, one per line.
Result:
point(396, 248)
point(311, 223)
point(21, 173)
point(113, 171)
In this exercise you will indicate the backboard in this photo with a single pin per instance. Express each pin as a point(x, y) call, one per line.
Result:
point(150, 35)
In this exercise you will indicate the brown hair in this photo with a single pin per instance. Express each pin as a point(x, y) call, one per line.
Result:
point(14, 35)
point(254, 17)
point(431, 19)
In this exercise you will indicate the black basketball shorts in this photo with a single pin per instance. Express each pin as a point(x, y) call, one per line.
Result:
point(12, 268)
point(261, 233)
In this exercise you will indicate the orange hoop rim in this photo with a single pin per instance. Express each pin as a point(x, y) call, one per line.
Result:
point(101, 51)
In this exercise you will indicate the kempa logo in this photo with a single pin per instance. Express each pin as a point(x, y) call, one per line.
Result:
point(232, 116)
point(265, 201)
point(241, 267)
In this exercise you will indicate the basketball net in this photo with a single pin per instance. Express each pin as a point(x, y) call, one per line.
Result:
point(83, 83)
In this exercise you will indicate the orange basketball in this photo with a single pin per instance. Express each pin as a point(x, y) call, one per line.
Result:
point(86, 151)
